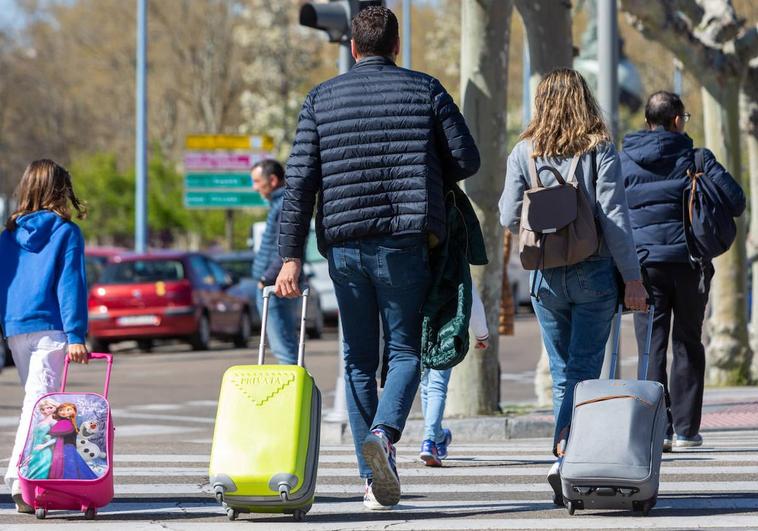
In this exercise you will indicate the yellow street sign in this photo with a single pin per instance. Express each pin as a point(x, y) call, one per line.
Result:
point(241, 142)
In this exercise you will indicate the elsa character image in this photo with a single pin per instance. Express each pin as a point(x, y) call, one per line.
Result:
point(67, 463)
point(41, 453)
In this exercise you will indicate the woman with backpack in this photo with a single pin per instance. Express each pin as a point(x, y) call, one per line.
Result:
point(576, 237)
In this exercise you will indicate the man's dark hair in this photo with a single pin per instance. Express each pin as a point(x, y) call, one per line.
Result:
point(270, 167)
point(375, 31)
point(661, 109)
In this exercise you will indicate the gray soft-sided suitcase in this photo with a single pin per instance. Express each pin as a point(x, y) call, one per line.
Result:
point(614, 449)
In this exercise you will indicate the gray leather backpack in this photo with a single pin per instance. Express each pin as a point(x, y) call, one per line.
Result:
point(557, 223)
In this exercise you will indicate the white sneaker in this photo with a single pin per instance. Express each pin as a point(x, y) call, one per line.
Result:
point(379, 453)
point(369, 501)
point(21, 505)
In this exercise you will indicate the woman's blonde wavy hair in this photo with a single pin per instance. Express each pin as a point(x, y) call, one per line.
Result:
point(46, 185)
point(567, 119)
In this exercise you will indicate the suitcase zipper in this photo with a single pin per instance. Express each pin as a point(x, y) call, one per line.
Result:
point(613, 397)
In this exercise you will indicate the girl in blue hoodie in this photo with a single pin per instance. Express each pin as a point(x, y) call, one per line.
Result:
point(43, 292)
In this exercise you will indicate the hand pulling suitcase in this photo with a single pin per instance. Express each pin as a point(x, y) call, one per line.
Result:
point(67, 462)
point(265, 449)
point(614, 449)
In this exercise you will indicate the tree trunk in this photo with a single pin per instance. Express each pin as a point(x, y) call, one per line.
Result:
point(475, 383)
point(548, 26)
point(749, 127)
point(507, 304)
point(727, 354)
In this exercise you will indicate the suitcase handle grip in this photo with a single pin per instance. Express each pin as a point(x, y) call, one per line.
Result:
point(616, 335)
point(91, 356)
point(268, 292)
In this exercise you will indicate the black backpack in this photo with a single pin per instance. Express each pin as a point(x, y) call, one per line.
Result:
point(709, 228)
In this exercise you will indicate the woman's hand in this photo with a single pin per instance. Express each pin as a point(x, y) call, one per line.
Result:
point(78, 353)
point(635, 296)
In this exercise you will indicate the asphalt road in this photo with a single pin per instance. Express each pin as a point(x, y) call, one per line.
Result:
point(164, 407)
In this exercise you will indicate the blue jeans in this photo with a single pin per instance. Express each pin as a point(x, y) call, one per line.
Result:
point(385, 277)
point(433, 396)
point(282, 327)
point(575, 307)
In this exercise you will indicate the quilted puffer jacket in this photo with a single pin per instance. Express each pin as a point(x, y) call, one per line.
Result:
point(374, 145)
point(654, 165)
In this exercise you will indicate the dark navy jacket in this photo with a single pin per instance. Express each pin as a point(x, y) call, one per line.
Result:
point(654, 165)
point(373, 144)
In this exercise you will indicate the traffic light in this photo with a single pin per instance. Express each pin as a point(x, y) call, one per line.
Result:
point(334, 17)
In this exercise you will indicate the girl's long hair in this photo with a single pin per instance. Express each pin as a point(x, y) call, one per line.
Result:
point(567, 119)
point(46, 185)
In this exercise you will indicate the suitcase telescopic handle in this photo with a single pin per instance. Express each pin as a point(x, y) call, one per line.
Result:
point(268, 292)
point(92, 356)
point(642, 368)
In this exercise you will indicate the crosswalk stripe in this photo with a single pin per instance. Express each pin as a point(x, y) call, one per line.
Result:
point(129, 471)
point(126, 414)
point(353, 488)
point(478, 488)
point(484, 523)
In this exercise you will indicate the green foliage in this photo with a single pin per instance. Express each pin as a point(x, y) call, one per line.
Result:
point(109, 193)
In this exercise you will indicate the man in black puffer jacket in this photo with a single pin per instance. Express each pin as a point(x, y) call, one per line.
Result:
point(654, 164)
point(374, 145)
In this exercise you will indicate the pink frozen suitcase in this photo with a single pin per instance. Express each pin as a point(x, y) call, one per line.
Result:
point(67, 462)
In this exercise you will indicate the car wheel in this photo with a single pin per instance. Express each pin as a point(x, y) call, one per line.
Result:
point(245, 330)
point(201, 339)
point(99, 345)
point(145, 345)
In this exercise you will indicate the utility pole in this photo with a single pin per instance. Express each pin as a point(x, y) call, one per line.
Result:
point(608, 60)
point(140, 225)
point(678, 77)
point(406, 37)
point(526, 89)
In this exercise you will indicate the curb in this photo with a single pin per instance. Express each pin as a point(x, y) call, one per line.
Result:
point(466, 430)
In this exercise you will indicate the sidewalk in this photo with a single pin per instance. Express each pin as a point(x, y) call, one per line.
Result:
point(731, 408)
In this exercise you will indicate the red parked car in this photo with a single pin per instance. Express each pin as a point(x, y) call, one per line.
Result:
point(178, 295)
point(96, 257)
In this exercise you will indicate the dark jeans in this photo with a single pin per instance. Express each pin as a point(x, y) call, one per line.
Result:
point(385, 277)
point(674, 289)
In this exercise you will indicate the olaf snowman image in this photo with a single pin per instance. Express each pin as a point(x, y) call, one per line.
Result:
point(86, 448)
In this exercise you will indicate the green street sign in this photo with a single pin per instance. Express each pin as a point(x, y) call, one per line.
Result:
point(223, 199)
point(218, 180)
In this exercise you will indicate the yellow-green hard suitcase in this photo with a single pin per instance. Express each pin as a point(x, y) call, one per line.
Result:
point(264, 457)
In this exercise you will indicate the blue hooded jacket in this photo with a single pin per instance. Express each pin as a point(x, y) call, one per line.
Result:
point(654, 164)
point(42, 278)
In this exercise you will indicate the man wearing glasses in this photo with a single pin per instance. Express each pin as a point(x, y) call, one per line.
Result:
point(655, 164)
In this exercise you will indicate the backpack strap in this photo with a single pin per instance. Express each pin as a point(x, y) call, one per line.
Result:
point(533, 177)
point(694, 176)
point(572, 168)
point(699, 161)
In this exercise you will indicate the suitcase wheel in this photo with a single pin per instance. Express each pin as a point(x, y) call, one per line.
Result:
point(90, 513)
point(232, 514)
point(299, 515)
point(40, 513)
point(647, 506)
point(571, 506)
